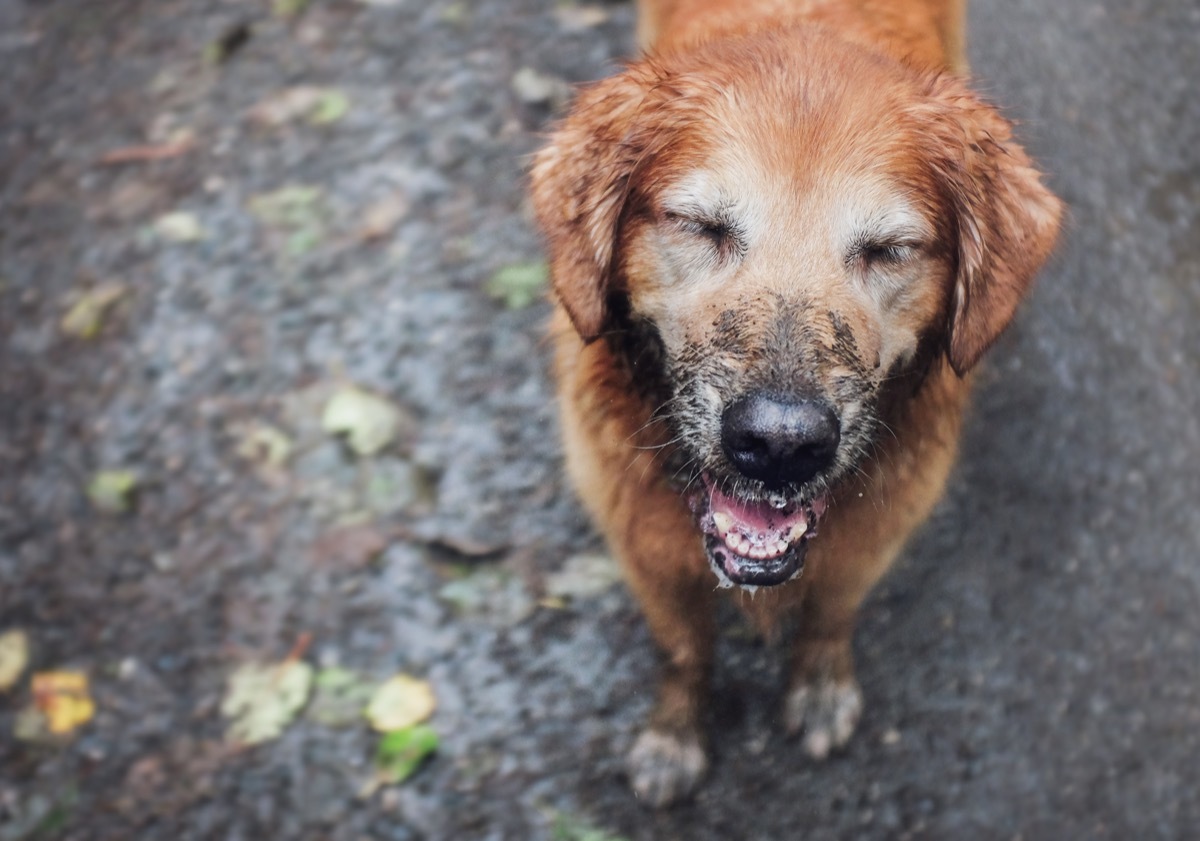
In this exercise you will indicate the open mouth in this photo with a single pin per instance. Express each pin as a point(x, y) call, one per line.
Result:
point(755, 542)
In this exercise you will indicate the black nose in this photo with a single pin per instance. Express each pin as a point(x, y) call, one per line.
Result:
point(780, 441)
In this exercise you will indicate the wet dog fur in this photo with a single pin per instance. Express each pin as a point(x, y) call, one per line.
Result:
point(792, 205)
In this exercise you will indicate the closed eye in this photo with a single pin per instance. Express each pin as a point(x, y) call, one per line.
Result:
point(718, 231)
point(881, 253)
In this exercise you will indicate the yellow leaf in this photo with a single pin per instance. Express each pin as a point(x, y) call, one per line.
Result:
point(112, 491)
point(368, 421)
point(262, 700)
point(180, 226)
point(63, 698)
point(400, 702)
point(85, 318)
point(14, 657)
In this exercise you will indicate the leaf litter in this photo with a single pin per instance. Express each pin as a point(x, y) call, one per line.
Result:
point(112, 491)
point(14, 657)
point(62, 703)
point(519, 285)
point(262, 699)
point(401, 701)
point(84, 319)
point(369, 422)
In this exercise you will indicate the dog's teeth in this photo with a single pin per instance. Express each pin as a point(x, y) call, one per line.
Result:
point(723, 522)
point(780, 547)
point(758, 553)
point(797, 531)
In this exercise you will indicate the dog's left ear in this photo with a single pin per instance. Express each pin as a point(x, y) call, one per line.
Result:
point(1006, 220)
point(580, 182)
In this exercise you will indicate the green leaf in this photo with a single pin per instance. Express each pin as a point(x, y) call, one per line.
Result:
point(401, 752)
point(339, 697)
point(287, 9)
point(519, 285)
point(112, 491)
point(567, 828)
point(331, 106)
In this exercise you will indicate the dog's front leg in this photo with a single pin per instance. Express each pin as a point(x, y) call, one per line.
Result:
point(824, 700)
point(665, 568)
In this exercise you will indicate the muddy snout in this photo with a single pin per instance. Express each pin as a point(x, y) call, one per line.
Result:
point(780, 440)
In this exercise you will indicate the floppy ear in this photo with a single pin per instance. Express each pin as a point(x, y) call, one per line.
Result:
point(1006, 220)
point(579, 185)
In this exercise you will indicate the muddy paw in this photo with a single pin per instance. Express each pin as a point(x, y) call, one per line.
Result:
point(664, 767)
point(826, 711)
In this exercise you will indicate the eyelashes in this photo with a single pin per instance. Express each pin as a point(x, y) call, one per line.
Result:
point(719, 231)
point(872, 253)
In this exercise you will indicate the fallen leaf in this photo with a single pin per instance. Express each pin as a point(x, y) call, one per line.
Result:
point(400, 702)
point(579, 18)
point(401, 752)
point(85, 317)
point(570, 828)
point(283, 107)
point(14, 657)
point(180, 226)
point(264, 445)
point(455, 13)
point(349, 547)
point(112, 491)
point(582, 576)
point(63, 699)
point(495, 595)
point(262, 699)
point(368, 421)
point(382, 217)
point(29, 725)
point(287, 9)
point(289, 206)
point(339, 696)
point(297, 211)
point(534, 88)
point(331, 106)
point(518, 285)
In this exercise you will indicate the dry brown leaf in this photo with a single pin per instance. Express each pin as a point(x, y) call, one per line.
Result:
point(382, 217)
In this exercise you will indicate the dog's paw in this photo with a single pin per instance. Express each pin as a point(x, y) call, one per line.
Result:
point(664, 767)
point(827, 711)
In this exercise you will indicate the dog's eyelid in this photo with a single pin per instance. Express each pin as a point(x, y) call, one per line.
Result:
point(717, 227)
point(883, 250)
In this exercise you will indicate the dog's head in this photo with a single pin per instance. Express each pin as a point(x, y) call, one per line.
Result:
point(798, 224)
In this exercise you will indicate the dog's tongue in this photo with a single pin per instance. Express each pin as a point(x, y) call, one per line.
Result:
point(759, 522)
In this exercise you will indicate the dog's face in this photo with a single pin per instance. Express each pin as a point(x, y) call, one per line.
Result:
point(799, 236)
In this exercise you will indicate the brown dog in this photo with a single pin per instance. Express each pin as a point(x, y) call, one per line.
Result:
point(779, 243)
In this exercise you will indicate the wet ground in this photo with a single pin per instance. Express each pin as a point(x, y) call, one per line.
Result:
point(1031, 668)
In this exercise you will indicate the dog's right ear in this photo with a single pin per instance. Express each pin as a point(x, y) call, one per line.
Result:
point(580, 182)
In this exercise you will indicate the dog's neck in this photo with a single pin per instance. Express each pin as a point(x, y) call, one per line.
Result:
point(926, 33)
